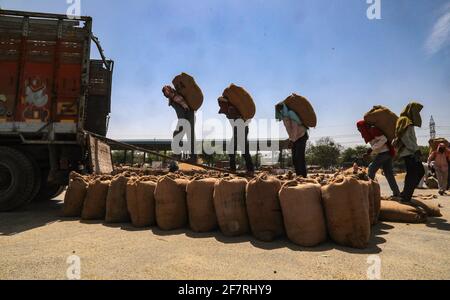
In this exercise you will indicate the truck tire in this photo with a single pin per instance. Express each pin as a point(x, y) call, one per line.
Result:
point(17, 179)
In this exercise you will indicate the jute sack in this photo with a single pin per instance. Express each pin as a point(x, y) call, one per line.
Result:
point(263, 207)
point(434, 143)
point(94, 207)
point(376, 190)
point(75, 194)
point(392, 211)
point(240, 99)
point(347, 212)
point(116, 201)
point(303, 213)
point(200, 203)
point(430, 209)
point(384, 119)
point(374, 197)
point(432, 183)
point(141, 202)
point(188, 88)
point(303, 108)
point(170, 203)
point(229, 204)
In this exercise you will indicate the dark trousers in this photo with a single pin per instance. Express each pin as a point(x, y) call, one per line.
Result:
point(298, 156)
point(414, 173)
point(245, 154)
point(188, 115)
point(384, 160)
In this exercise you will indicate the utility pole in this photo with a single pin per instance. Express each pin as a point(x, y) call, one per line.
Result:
point(432, 128)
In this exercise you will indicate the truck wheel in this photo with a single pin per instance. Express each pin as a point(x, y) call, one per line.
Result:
point(17, 179)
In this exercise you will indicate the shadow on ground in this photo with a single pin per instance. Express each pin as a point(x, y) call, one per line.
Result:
point(44, 213)
point(35, 215)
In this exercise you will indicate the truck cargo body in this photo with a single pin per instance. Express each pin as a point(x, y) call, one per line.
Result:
point(50, 93)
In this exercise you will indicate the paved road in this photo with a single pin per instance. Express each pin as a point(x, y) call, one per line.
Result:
point(36, 243)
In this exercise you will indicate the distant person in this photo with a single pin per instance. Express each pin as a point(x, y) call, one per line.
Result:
point(173, 166)
point(383, 152)
point(421, 184)
point(439, 160)
point(405, 143)
point(355, 168)
point(184, 113)
point(298, 136)
point(239, 127)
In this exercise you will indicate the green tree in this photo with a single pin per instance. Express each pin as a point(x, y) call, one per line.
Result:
point(324, 153)
point(353, 154)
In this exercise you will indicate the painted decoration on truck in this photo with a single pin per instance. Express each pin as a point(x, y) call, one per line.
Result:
point(3, 109)
point(35, 100)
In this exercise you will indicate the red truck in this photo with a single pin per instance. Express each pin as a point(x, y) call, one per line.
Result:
point(51, 95)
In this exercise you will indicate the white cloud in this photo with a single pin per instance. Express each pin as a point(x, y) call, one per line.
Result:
point(440, 35)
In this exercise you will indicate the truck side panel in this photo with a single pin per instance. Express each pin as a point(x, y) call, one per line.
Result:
point(42, 61)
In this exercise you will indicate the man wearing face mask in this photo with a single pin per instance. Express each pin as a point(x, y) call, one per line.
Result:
point(439, 160)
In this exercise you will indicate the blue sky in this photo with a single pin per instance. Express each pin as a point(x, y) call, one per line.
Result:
point(326, 50)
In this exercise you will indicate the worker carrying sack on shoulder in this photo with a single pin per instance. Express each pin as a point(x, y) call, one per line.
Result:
point(303, 213)
point(302, 107)
point(263, 207)
point(383, 119)
point(186, 86)
point(241, 99)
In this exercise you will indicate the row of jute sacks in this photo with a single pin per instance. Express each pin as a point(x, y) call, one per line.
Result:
point(343, 207)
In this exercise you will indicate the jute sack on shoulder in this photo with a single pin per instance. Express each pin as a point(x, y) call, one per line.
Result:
point(229, 204)
point(141, 202)
point(263, 207)
point(434, 143)
point(392, 211)
point(303, 213)
point(75, 194)
point(384, 119)
point(200, 203)
point(240, 99)
point(116, 201)
point(303, 108)
point(170, 203)
point(94, 207)
point(188, 88)
point(347, 212)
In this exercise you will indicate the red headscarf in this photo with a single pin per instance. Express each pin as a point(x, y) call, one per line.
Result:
point(370, 132)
